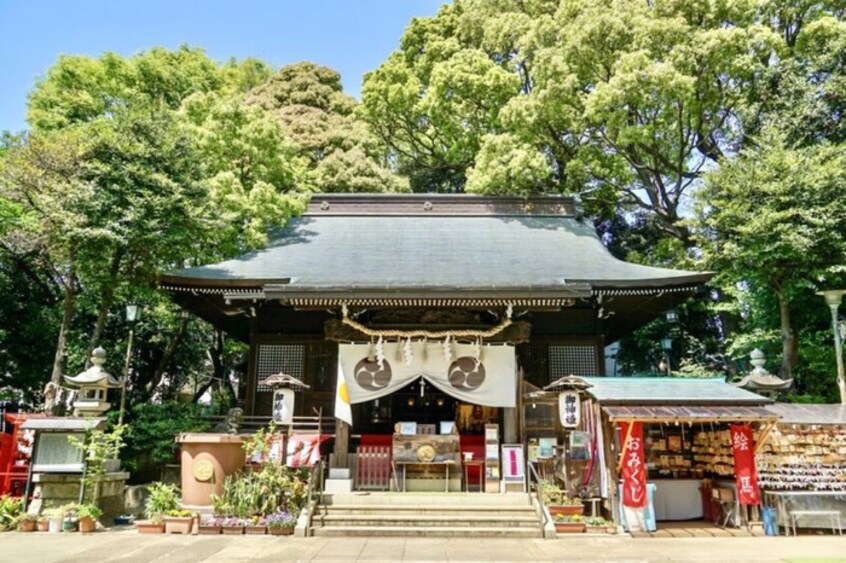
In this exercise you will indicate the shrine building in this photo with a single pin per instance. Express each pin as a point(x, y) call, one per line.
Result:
point(430, 308)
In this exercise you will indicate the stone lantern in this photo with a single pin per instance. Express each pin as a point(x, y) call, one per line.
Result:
point(760, 381)
point(94, 384)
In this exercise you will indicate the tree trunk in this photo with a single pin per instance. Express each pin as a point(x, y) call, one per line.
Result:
point(67, 317)
point(789, 344)
point(106, 300)
point(168, 354)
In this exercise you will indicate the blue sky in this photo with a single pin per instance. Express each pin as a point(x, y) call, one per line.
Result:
point(351, 36)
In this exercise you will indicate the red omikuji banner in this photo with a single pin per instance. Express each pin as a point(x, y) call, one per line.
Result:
point(743, 445)
point(634, 467)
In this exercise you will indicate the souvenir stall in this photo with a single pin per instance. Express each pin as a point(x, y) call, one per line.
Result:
point(802, 467)
point(653, 442)
point(564, 439)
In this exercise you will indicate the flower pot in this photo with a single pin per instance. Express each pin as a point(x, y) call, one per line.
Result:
point(570, 527)
point(43, 525)
point(281, 531)
point(256, 530)
point(210, 530)
point(111, 465)
point(178, 524)
point(233, 530)
point(610, 529)
point(122, 520)
point(70, 526)
point(87, 525)
point(148, 527)
point(55, 524)
point(567, 510)
point(27, 526)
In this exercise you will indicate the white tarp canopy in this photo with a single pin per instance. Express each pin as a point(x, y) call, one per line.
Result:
point(482, 375)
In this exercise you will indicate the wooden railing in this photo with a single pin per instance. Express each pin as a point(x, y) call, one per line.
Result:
point(301, 424)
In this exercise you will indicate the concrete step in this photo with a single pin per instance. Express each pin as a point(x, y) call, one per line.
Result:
point(441, 532)
point(427, 499)
point(389, 520)
point(415, 510)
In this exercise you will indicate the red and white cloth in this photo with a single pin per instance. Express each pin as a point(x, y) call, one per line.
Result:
point(304, 449)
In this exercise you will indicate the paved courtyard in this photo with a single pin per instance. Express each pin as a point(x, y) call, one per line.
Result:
point(129, 546)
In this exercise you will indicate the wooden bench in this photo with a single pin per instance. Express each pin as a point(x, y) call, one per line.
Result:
point(833, 515)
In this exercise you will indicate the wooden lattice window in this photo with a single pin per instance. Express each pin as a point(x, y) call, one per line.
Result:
point(572, 360)
point(273, 358)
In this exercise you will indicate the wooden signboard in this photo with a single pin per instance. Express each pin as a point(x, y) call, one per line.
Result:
point(513, 468)
point(492, 458)
point(426, 448)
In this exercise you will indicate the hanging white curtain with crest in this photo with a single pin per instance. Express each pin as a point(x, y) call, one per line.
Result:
point(483, 375)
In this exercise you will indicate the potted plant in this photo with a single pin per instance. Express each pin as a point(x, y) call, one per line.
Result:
point(596, 524)
point(88, 515)
point(162, 499)
point(26, 522)
point(43, 524)
point(70, 521)
point(256, 525)
point(558, 501)
point(178, 521)
point(101, 450)
point(10, 509)
point(569, 524)
point(54, 516)
point(210, 525)
point(281, 523)
point(232, 525)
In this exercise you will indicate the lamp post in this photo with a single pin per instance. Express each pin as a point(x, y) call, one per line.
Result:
point(833, 297)
point(667, 346)
point(133, 313)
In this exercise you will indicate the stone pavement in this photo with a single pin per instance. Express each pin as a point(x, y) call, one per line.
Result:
point(128, 546)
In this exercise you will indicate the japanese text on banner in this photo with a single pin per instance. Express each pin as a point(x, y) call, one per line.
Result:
point(634, 467)
point(743, 445)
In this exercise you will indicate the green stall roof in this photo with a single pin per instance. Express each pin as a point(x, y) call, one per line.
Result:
point(669, 391)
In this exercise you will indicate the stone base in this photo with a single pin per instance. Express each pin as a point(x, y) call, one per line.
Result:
point(338, 485)
point(52, 490)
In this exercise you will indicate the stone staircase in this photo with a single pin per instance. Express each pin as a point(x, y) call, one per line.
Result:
point(510, 515)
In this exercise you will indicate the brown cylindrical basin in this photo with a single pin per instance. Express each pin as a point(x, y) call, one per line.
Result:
point(206, 461)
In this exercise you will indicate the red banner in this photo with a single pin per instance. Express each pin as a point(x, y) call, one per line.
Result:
point(634, 467)
point(743, 445)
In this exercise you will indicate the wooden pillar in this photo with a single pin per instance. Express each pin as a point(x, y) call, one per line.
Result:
point(511, 415)
point(342, 442)
point(252, 363)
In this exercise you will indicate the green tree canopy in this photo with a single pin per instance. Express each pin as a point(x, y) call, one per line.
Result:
point(341, 155)
point(775, 218)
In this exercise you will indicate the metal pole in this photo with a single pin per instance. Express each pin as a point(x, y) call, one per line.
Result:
point(125, 374)
point(838, 352)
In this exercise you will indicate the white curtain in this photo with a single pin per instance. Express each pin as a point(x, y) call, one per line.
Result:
point(490, 380)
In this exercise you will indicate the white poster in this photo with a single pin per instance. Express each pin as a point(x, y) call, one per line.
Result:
point(490, 380)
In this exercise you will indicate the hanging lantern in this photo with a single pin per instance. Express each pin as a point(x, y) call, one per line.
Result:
point(284, 387)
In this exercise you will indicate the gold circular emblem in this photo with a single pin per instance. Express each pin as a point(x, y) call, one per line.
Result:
point(426, 453)
point(203, 470)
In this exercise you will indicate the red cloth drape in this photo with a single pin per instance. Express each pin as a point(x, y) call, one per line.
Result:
point(634, 466)
point(743, 445)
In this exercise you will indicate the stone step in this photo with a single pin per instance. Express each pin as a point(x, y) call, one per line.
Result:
point(428, 499)
point(441, 532)
point(464, 520)
point(414, 510)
